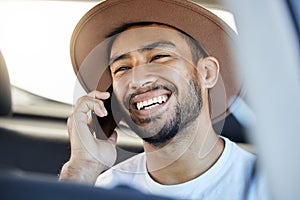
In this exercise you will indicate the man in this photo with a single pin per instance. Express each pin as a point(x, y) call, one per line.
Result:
point(167, 61)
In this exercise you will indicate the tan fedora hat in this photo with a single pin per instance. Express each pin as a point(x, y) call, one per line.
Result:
point(89, 42)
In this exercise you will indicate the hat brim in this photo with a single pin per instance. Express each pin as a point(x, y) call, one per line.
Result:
point(89, 42)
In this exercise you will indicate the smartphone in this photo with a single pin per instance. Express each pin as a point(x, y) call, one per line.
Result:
point(104, 126)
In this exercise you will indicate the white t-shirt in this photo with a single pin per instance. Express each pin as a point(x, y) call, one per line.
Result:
point(229, 178)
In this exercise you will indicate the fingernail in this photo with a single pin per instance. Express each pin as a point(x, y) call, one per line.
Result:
point(105, 112)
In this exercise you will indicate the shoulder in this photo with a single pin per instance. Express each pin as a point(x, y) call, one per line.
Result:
point(238, 160)
point(136, 163)
point(238, 150)
point(122, 172)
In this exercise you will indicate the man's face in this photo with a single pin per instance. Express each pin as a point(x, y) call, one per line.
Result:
point(155, 81)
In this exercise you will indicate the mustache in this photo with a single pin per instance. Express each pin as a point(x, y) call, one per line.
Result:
point(138, 91)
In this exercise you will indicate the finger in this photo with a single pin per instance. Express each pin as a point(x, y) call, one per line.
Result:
point(100, 109)
point(75, 135)
point(87, 147)
point(80, 135)
point(86, 104)
point(90, 124)
point(99, 95)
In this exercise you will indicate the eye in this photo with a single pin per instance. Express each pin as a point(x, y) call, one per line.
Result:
point(121, 68)
point(159, 56)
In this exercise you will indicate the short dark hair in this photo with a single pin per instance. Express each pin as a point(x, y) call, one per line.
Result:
point(197, 50)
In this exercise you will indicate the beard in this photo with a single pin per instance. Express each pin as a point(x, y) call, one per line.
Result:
point(182, 114)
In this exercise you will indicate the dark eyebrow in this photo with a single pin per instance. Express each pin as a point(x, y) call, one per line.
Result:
point(116, 58)
point(160, 44)
point(148, 47)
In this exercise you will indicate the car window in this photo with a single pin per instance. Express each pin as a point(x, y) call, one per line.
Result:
point(34, 40)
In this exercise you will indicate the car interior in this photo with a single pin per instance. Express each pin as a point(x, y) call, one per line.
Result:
point(38, 141)
point(25, 148)
point(34, 145)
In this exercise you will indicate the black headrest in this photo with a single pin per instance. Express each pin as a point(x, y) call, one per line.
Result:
point(5, 90)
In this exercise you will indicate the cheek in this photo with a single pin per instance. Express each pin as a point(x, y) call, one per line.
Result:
point(181, 76)
point(121, 82)
point(181, 70)
point(119, 90)
point(176, 73)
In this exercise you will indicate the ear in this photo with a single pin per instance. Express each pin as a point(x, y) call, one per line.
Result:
point(209, 70)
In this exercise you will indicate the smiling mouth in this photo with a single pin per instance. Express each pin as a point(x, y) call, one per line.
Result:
point(151, 103)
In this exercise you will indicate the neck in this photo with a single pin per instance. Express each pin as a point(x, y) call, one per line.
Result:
point(191, 153)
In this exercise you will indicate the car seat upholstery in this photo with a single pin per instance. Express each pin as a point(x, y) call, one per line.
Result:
point(5, 91)
point(22, 151)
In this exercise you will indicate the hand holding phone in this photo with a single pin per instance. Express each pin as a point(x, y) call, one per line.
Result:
point(104, 126)
point(90, 156)
point(98, 131)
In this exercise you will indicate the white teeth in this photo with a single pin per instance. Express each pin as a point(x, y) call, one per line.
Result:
point(165, 98)
point(145, 103)
point(138, 106)
point(159, 99)
point(146, 108)
point(150, 103)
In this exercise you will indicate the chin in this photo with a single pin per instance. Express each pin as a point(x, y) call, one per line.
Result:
point(158, 132)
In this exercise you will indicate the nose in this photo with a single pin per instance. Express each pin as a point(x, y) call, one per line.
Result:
point(141, 77)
